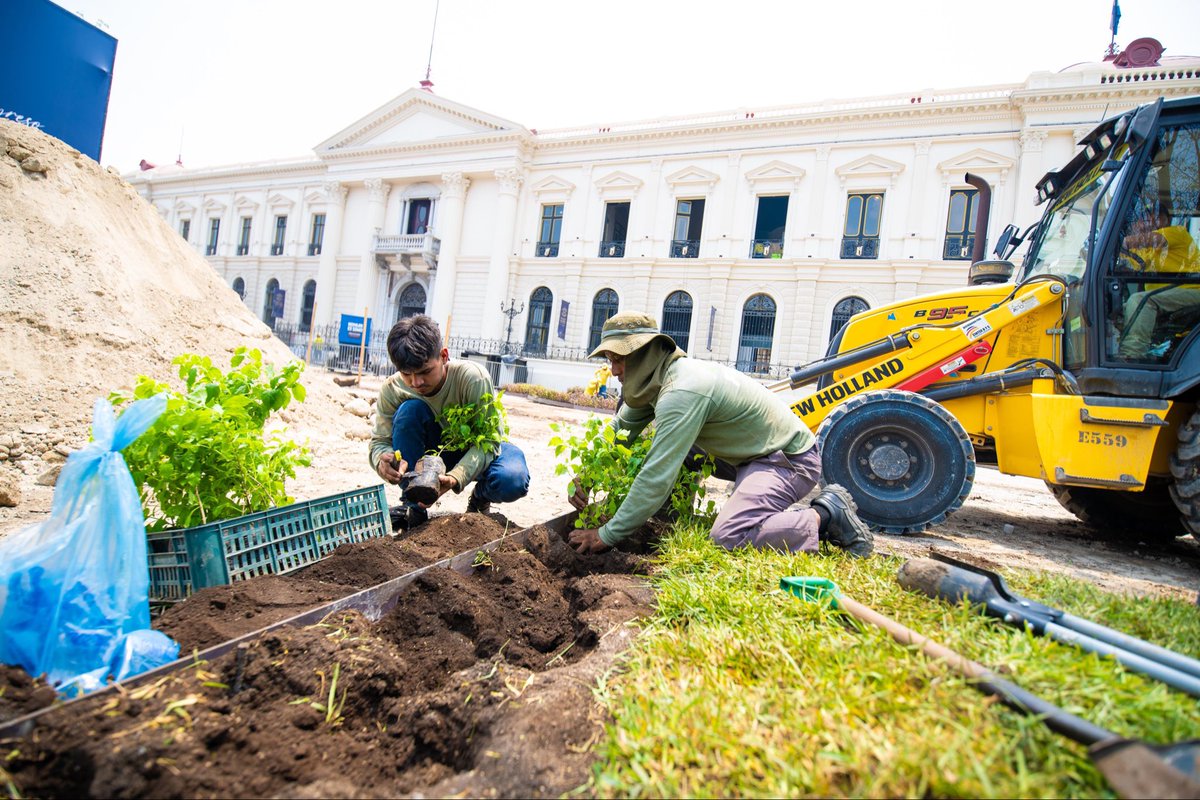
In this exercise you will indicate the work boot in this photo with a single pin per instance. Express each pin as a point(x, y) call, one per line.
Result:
point(844, 529)
point(476, 504)
point(407, 516)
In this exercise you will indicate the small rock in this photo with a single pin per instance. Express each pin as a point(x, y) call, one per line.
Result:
point(62, 450)
point(50, 476)
point(1008, 528)
point(33, 164)
point(18, 153)
point(358, 433)
point(35, 430)
point(358, 407)
point(53, 457)
point(10, 488)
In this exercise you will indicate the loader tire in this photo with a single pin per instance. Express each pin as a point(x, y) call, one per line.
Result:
point(906, 460)
point(1185, 470)
point(1149, 514)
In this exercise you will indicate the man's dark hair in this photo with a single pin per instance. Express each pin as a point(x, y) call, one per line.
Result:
point(413, 341)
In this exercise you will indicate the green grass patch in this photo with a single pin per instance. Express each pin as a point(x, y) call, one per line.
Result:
point(738, 689)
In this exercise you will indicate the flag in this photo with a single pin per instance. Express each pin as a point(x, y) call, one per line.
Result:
point(1116, 17)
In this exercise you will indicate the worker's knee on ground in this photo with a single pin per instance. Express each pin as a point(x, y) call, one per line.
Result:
point(507, 478)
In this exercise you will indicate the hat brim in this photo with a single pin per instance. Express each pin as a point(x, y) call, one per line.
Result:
point(624, 345)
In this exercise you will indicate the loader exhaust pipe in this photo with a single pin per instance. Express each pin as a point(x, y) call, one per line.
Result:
point(982, 211)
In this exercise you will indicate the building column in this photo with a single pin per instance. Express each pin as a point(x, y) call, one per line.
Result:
point(1029, 171)
point(449, 230)
point(368, 280)
point(493, 322)
point(331, 245)
point(816, 204)
point(914, 223)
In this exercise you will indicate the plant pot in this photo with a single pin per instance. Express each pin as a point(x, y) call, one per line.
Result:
point(424, 486)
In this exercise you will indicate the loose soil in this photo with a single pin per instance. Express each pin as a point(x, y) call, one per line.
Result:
point(474, 685)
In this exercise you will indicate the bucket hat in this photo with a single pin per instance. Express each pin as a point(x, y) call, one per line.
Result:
point(623, 333)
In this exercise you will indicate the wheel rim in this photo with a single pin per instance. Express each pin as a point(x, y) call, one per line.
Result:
point(893, 463)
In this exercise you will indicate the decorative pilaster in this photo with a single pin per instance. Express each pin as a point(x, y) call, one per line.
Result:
point(368, 282)
point(1031, 168)
point(817, 201)
point(449, 230)
point(510, 180)
point(334, 197)
point(915, 220)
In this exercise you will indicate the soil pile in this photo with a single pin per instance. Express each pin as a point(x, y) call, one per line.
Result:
point(96, 289)
point(474, 685)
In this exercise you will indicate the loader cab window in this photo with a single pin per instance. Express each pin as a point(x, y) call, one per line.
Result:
point(1152, 295)
point(1062, 241)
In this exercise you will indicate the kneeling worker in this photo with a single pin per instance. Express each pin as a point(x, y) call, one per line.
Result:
point(406, 422)
point(731, 417)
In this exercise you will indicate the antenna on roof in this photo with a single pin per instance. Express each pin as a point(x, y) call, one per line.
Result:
point(427, 84)
point(179, 158)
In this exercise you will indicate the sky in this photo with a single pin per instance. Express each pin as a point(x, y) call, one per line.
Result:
point(234, 81)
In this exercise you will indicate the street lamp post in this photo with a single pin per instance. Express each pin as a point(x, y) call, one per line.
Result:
point(510, 312)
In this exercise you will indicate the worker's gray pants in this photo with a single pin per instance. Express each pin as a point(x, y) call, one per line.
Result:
point(756, 514)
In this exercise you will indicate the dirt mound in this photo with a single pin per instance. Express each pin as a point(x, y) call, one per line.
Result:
point(475, 685)
point(97, 290)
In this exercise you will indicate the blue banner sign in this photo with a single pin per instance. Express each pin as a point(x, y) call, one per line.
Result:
point(564, 308)
point(278, 301)
point(351, 330)
point(55, 73)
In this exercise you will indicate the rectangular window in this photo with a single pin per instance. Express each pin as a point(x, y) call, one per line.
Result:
point(214, 231)
point(280, 230)
point(244, 237)
point(317, 236)
point(551, 232)
point(418, 216)
point(860, 237)
point(689, 219)
point(769, 226)
point(616, 230)
point(185, 228)
point(960, 225)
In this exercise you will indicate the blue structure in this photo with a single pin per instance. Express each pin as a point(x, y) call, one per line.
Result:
point(55, 73)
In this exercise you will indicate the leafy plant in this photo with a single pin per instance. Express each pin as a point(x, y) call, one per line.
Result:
point(207, 457)
point(605, 465)
point(479, 424)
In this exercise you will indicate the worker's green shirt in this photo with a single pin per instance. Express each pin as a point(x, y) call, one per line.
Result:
point(466, 382)
point(727, 413)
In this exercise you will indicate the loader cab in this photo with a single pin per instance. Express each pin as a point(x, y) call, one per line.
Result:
point(1122, 228)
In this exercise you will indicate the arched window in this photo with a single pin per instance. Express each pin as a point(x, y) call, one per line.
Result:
point(846, 308)
point(268, 313)
point(239, 286)
point(758, 332)
point(537, 324)
point(604, 305)
point(411, 302)
point(677, 318)
point(306, 306)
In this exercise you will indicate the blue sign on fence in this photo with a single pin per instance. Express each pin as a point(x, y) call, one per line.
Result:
point(55, 73)
point(278, 302)
point(564, 308)
point(350, 331)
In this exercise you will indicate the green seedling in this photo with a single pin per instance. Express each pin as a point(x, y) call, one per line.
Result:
point(483, 559)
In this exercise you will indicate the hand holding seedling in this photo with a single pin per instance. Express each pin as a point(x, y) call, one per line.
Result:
point(392, 467)
point(579, 498)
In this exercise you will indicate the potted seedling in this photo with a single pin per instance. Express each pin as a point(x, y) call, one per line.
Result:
point(464, 426)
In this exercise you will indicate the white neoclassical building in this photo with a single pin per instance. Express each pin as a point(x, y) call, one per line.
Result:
point(750, 234)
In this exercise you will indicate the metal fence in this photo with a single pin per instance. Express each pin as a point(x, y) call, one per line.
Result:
point(322, 350)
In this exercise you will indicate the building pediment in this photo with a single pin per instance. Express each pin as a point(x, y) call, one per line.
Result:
point(871, 169)
point(415, 117)
point(213, 206)
point(775, 171)
point(618, 184)
point(184, 208)
point(553, 186)
point(245, 204)
point(692, 178)
point(280, 201)
point(978, 161)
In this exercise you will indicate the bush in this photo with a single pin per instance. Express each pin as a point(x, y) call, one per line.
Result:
point(206, 458)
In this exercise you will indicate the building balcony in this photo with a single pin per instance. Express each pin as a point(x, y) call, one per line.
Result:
point(415, 252)
point(685, 248)
point(546, 249)
point(314, 249)
point(766, 248)
point(860, 247)
point(243, 249)
point(276, 249)
point(958, 246)
point(613, 249)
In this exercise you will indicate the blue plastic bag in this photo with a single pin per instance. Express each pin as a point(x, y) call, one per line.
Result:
point(75, 589)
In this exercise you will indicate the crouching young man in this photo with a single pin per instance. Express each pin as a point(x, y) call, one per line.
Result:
point(733, 418)
point(406, 422)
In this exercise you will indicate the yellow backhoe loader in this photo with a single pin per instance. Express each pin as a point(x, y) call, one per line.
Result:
point(1080, 367)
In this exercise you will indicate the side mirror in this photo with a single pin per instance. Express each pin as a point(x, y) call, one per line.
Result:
point(1002, 242)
